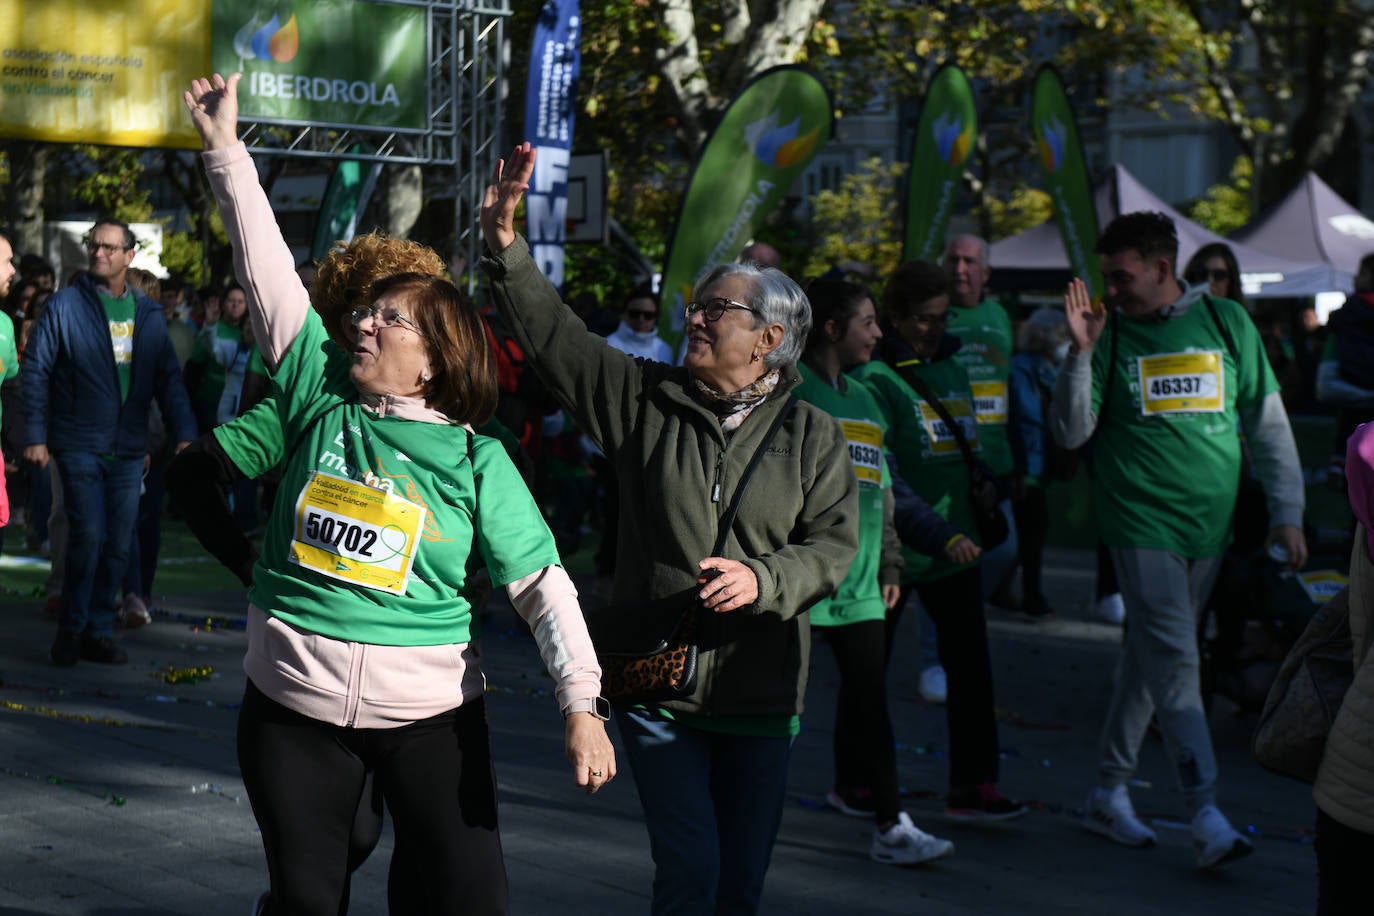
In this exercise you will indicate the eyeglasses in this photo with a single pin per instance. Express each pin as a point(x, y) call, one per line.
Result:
point(641, 316)
point(381, 320)
point(93, 246)
point(712, 309)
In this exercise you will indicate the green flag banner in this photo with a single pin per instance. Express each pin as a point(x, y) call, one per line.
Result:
point(1066, 176)
point(766, 138)
point(945, 138)
point(346, 63)
point(345, 198)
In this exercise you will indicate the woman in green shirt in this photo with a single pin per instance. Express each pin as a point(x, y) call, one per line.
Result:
point(916, 352)
point(844, 331)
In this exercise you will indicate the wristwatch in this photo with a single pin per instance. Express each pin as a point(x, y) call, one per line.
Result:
point(597, 706)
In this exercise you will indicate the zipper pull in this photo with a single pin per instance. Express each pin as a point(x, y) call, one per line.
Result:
point(715, 487)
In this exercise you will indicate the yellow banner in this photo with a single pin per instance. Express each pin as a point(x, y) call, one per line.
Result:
point(108, 73)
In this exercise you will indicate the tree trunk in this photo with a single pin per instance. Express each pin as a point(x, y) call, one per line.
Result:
point(24, 200)
point(397, 201)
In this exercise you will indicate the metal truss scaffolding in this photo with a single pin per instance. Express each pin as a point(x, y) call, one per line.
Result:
point(466, 91)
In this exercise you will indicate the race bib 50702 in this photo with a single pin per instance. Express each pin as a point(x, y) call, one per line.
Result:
point(363, 535)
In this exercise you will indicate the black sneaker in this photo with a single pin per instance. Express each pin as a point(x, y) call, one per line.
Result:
point(66, 648)
point(982, 803)
point(102, 649)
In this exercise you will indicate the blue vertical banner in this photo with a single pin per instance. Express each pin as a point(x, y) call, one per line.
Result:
point(549, 104)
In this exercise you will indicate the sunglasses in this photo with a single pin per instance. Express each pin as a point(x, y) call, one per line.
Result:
point(1216, 276)
point(641, 316)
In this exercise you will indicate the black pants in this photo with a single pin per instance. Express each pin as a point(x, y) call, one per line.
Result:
point(955, 604)
point(865, 750)
point(1343, 858)
point(306, 780)
point(1032, 525)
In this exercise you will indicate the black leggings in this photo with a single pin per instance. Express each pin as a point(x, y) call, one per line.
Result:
point(865, 750)
point(305, 780)
point(955, 604)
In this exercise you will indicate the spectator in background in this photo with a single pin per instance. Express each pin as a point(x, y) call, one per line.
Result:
point(219, 358)
point(1215, 265)
point(93, 424)
point(762, 254)
point(172, 295)
point(1044, 340)
point(37, 270)
point(9, 361)
point(1345, 374)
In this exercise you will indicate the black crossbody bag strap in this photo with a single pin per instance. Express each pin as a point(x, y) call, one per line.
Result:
point(924, 390)
point(728, 520)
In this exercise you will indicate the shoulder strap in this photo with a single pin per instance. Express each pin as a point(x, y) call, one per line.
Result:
point(923, 389)
point(1225, 332)
point(728, 520)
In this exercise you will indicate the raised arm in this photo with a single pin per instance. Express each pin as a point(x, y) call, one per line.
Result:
point(277, 300)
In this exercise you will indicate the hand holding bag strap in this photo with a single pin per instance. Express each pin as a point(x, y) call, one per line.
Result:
point(921, 387)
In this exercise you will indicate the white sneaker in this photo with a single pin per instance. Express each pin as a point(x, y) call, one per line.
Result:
point(1109, 813)
point(1110, 608)
point(906, 844)
point(934, 688)
point(1214, 839)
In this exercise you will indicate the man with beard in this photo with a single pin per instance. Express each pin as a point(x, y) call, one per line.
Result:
point(1165, 376)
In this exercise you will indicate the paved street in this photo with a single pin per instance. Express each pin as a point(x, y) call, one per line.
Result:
point(119, 791)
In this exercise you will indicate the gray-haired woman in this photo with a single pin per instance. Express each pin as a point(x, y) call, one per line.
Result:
point(711, 769)
point(1042, 343)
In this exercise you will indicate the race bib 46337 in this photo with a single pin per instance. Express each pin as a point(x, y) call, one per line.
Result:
point(1182, 383)
point(363, 535)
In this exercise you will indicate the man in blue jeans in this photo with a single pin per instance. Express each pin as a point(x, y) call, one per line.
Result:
point(95, 361)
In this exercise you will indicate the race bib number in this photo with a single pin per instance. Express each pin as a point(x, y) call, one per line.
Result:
point(942, 439)
point(1181, 383)
point(865, 449)
point(362, 535)
point(1321, 585)
point(990, 403)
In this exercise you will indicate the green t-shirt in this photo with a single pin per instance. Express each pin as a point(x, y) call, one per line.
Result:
point(859, 596)
point(986, 353)
point(120, 314)
point(928, 456)
point(253, 441)
point(212, 380)
point(1167, 456)
point(9, 354)
point(379, 518)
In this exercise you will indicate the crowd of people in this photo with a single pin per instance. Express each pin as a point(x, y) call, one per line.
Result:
point(369, 452)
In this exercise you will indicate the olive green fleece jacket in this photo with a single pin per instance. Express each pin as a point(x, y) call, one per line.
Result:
point(797, 528)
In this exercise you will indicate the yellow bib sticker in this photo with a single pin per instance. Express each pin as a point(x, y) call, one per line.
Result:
point(1321, 585)
point(1181, 383)
point(990, 403)
point(865, 449)
point(942, 441)
point(362, 535)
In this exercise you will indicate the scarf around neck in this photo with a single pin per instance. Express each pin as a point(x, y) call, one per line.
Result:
point(732, 407)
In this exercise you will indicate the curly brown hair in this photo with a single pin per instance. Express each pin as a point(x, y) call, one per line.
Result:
point(345, 277)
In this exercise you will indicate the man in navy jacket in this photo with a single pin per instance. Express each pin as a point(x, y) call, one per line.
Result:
point(95, 361)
